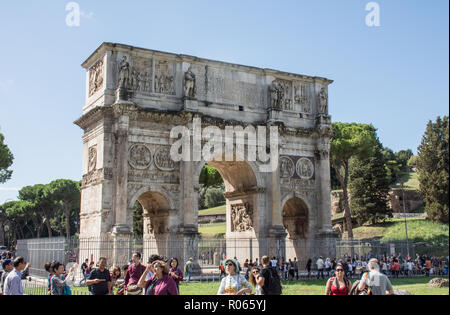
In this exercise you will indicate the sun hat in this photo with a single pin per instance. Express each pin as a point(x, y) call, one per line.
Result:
point(234, 262)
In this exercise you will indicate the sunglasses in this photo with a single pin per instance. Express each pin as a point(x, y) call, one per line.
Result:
point(339, 270)
point(255, 272)
point(229, 264)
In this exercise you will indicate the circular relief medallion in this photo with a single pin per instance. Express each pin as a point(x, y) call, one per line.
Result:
point(287, 168)
point(140, 156)
point(305, 168)
point(92, 158)
point(163, 161)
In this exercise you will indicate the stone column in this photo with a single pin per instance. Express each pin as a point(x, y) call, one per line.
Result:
point(120, 176)
point(325, 191)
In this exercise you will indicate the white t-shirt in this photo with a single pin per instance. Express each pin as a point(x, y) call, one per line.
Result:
point(273, 262)
point(319, 263)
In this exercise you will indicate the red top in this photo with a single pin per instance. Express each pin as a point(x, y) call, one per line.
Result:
point(336, 291)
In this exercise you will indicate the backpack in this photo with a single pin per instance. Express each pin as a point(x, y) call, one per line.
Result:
point(272, 285)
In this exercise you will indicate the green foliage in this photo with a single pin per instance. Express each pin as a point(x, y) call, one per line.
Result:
point(55, 206)
point(351, 140)
point(214, 197)
point(433, 169)
point(412, 162)
point(6, 160)
point(369, 188)
point(138, 220)
point(210, 177)
point(402, 157)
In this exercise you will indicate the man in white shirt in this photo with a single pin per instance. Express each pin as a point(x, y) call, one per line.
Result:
point(320, 265)
point(377, 282)
point(13, 283)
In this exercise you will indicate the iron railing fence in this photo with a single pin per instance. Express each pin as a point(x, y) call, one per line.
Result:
point(208, 252)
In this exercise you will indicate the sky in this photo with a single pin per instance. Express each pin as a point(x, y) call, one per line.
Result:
point(394, 75)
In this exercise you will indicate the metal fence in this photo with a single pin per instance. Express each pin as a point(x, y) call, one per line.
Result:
point(37, 287)
point(209, 252)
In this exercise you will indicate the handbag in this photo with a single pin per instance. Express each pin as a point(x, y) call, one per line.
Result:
point(133, 289)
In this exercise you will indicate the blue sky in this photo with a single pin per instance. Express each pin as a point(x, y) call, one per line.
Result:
point(394, 76)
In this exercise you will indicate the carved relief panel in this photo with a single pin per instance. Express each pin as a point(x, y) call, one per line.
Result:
point(96, 77)
point(241, 217)
point(164, 77)
point(297, 167)
point(140, 156)
point(301, 96)
point(163, 161)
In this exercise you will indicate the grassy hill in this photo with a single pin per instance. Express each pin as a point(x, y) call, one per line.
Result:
point(410, 180)
point(216, 210)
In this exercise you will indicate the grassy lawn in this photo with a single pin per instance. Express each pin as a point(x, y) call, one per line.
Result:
point(419, 230)
point(210, 230)
point(416, 286)
point(216, 210)
point(409, 180)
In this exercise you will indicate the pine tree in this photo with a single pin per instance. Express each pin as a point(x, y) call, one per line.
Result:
point(369, 188)
point(433, 169)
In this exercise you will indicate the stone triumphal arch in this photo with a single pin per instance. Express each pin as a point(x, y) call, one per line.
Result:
point(135, 97)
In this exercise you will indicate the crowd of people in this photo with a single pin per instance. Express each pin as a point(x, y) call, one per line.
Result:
point(162, 276)
point(391, 266)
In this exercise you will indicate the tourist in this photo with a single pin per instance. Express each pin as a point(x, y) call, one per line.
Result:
point(115, 275)
point(349, 269)
point(7, 265)
point(233, 283)
point(222, 270)
point(135, 271)
point(161, 283)
point(376, 282)
point(255, 274)
point(384, 267)
point(58, 281)
point(296, 268)
point(320, 265)
point(269, 279)
point(188, 268)
point(338, 285)
point(175, 272)
point(308, 267)
point(91, 267)
point(328, 266)
point(48, 268)
point(291, 270)
point(13, 282)
point(84, 271)
point(99, 280)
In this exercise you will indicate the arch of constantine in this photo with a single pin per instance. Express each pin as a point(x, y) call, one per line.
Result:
point(134, 99)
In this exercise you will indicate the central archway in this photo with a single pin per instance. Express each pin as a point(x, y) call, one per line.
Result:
point(244, 201)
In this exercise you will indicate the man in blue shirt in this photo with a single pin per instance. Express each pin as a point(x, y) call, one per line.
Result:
point(13, 283)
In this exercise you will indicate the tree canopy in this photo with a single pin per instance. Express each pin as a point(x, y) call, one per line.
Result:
point(433, 169)
point(6, 160)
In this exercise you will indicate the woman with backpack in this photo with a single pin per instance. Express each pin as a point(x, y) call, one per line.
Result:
point(58, 282)
point(338, 285)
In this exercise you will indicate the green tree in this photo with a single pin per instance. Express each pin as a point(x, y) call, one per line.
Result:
point(6, 160)
point(43, 206)
point(433, 169)
point(369, 188)
point(412, 162)
point(350, 140)
point(138, 220)
point(65, 196)
point(210, 177)
point(391, 164)
point(402, 157)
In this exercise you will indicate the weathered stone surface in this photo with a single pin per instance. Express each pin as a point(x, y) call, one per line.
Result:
point(136, 96)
